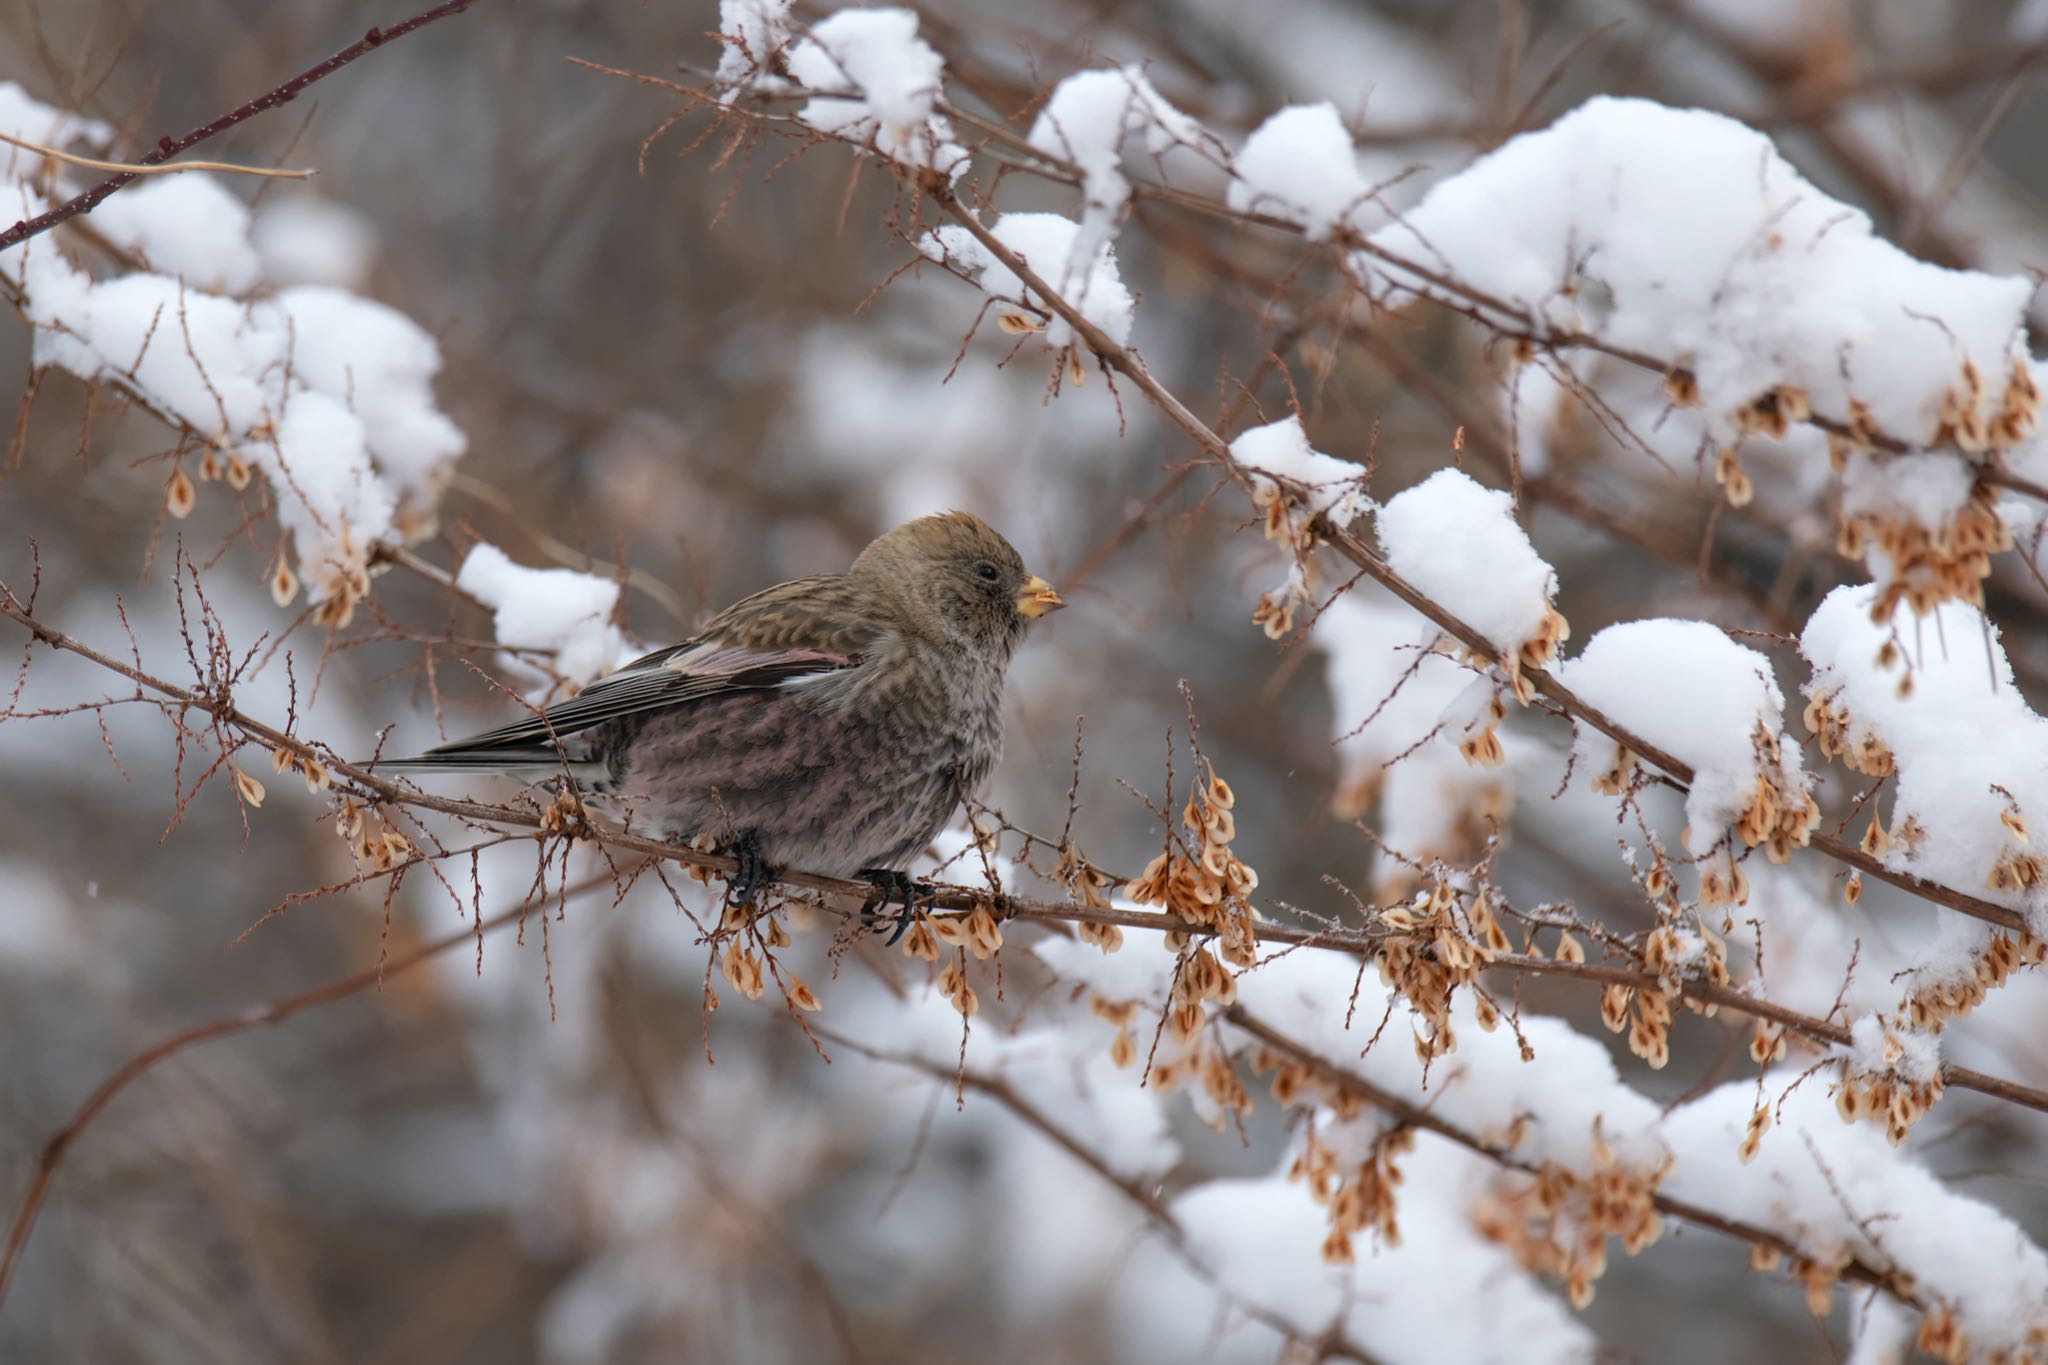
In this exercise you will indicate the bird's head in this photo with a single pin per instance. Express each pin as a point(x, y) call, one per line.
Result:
point(953, 578)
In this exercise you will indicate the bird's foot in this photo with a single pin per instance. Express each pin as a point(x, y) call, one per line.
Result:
point(752, 873)
point(891, 884)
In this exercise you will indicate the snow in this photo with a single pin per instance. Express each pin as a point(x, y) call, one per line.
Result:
point(1408, 1303)
point(1685, 235)
point(381, 364)
point(186, 225)
point(306, 388)
point(1922, 488)
point(1333, 488)
point(1562, 1109)
point(1389, 694)
point(1837, 1190)
point(1687, 688)
point(1090, 114)
point(754, 30)
point(1087, 120)
point(328, 395)
point(302, 238)
point(1961, 732)
point(1299, 165)
point(193, 354)
point(1878, 1048)
point(32, 121)
point(558, 611)
point(897, 75)
point(1045, 242)
point(1834, 1191)
point(328, 494)
point(1459, 544)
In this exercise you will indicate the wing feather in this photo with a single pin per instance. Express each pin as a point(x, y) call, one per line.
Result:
point(784, 635)
point(669, 677)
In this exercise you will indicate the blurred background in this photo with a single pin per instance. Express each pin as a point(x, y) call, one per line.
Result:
point(710, 371)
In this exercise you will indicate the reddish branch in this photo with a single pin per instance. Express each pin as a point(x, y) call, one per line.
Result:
point(168, 147)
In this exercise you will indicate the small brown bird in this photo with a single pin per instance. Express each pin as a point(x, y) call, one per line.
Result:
point(830, 724)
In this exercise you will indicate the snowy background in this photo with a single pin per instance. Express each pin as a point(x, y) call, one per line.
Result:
point(1681, 350)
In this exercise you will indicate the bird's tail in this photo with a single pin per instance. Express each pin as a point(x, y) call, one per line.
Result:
point(527, 765)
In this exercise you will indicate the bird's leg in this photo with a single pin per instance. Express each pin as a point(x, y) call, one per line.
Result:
point(751, 875)
point(891, 883)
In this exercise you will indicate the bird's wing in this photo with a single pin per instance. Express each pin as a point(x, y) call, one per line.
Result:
point(804, 628)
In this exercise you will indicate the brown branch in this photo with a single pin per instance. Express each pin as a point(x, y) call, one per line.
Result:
point(168, 147)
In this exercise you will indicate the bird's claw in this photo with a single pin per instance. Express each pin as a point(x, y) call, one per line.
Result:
point(891, 884)
point(751, 875)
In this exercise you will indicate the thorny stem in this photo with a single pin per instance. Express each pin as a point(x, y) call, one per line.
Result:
point(168, 147)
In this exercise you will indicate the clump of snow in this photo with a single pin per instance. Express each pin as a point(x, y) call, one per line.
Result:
point(1924, 488)
point(328, 494)
point(1687, 688)
point(1877, 1047)
point(754, 31)
point(1932, 699)
point(1406, 1303)
point(894, 78)
point(1570, 1107)
point(193, 354)
point(1391, 695)
point(327, 395)
point(185, 225)
point(558, 611)
point(1685, 235)
point(1299, 165)
point(1087, 120)
point(381, 364)
point(305, 239)
point(1459, 544)
point(1838, 1191)
point(1328, 487)
point(1045, 242)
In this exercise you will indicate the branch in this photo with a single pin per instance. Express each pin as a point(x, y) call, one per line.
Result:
point(849, 894)
point(168, 147)
point(1128, 364)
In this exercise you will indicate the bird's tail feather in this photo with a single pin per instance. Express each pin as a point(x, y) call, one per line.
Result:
point(532, 765)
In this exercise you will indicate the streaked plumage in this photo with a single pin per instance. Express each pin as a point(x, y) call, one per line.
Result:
point(833, 721)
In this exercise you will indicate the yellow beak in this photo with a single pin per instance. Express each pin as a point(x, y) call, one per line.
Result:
point(1036, 598)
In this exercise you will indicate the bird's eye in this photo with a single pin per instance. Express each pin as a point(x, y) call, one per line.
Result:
point(987, 571)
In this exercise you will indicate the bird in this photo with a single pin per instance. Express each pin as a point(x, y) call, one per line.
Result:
point(830, 724)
